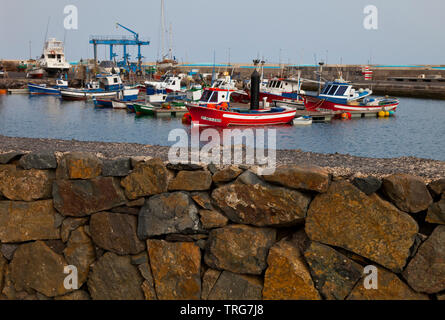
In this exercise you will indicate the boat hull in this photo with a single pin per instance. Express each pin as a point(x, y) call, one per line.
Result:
point(37, 89)
point(222, 118)
point(85, 95)
point(141, 110)
point(317, 104)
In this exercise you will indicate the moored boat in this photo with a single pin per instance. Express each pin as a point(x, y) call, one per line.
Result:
point(108, 86)
point(340, 96)
point(144, 109)
point(43, 89)
point(214, 110)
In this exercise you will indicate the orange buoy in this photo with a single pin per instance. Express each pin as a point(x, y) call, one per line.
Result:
point(187, 118)
point(3, 91)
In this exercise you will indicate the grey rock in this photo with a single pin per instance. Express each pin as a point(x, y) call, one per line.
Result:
point(9, 156)
point(168, 213)
point(232, 286)
point(39, 161)
point(116, 167)
point(368, 185)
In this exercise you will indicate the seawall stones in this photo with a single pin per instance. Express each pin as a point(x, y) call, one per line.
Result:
point(168, 213)
point(366, 225)
point(79, 198)
point(239, 248)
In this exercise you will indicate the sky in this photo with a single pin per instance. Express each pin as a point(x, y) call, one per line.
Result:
point(287, 31)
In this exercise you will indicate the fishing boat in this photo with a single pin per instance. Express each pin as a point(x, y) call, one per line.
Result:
point(214, 110)
point(53, 57)
point(123, 96)
point(144, 109)
point(43, 89)
point(108, 86)
point(35, 73)
point(340, 96)
point(302, 121)
point(167, 85)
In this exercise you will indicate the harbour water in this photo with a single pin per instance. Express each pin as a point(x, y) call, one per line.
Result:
point(416, 130)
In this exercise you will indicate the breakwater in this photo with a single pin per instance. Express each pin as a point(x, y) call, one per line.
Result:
point(140, 228)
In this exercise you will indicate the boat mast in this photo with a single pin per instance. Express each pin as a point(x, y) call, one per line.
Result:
point(162, 30)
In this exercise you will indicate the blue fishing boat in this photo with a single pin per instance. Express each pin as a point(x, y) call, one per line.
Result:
point(108, 86)
point(43, 89)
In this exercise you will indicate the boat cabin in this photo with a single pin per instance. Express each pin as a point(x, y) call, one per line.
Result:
point(215, 96)
point(110, 82)
point(169, 84)
point(277, 86)
point(342, 92)
point(224, 83)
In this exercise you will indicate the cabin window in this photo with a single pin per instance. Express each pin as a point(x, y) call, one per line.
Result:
point(206, 95)
point(326, 89)
point(341, 90)
point(115, 80)
point(214, 97)
point(173, 83)
point(51, 56)
point(332, 91)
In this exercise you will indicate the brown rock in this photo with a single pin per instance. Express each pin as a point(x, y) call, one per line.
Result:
point(80, 253)
point(191, 181)
point(407, 192)
point(437, 187)
point(24, 221)
point(232, 286)
point(147, 178)
point(309, 178)
point(261, 205)
point(440, 297)
point(287, 277)
point(333, 273)
point(226, 174)
point(168, 213)
point(436, 212)
point(136, 203)
point(3, 264)
point(426, 271)
point(211, 219)
point(208, 282)
point(25, 185)
point(75, 295)
point(203, 200)
point(148, 284)
point(36, 266)
point(116, 232)
point(366, 225)
point(239, 248)
point(8, 250)
point(79, 198)
point(113, 277)
point(79, 165)
point(176, 269)
point(69, 224)
point(389, 287)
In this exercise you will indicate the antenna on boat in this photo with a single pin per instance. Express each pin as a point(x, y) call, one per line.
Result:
point(321, 63)
point(46, 34)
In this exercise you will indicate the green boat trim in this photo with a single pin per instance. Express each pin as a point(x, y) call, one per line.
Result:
point(142, 109)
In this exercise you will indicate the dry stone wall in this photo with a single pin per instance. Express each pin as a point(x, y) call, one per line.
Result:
point(137, 228)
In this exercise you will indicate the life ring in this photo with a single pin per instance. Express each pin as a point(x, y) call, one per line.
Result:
point(53, 52)
point(187, 118)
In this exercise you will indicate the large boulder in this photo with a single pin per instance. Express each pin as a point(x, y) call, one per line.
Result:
point(334, 274)
point(436, 212)
point(366, 225)
point(25, 185)
point(426, 271)
point(232, 286)
point(407, 192)
point(79, 165)
point(116, 232)
point(25, 221)
point(389, 287)
point(147, 178)
point(80, 252)
point(176, 269)
point(309, 178)
point(168, 213)
point(79, 198)
point(40, 161)
point(36, 266)
point(113, 277)
point(261, 204)
point(191, 181)
point(239, 248)
point(287, 276)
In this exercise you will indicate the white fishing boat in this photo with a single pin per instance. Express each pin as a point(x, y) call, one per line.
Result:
point(302, 121)
point(107, 86)
point(53, 57)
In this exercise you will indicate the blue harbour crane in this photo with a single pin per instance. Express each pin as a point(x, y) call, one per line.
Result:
point(121, 41)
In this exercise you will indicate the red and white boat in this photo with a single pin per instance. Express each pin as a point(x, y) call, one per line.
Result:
point(341, 96)
point(214, 110)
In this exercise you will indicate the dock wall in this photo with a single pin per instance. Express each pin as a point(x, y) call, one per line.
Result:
point(139, 228)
